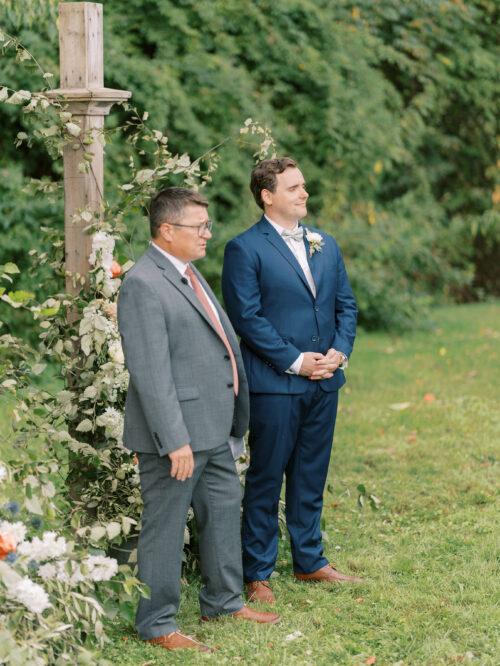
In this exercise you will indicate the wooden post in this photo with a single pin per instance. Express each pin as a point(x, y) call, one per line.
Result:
point(82, 86)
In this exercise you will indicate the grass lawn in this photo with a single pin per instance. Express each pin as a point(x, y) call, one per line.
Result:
point(419, 427)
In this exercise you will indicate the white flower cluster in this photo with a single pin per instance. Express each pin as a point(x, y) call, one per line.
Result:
point(101, 256)
point(49, 547)
point(101, 567)
point(95, 328)
point(3, 473)
point(103, 246)
point(30, 594)
point(94, 567)
point(112, 422)
point(14, 531)
point(115, 352)
point(65, 572)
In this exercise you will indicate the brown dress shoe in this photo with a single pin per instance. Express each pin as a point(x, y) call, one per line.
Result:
point(178, 641)
point(260, 591)
point(249, 614)
point(327, 574)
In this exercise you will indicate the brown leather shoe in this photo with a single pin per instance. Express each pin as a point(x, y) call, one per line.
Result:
point(327, 574)
point(260, 591)
point(178, 641)
point(246, 613)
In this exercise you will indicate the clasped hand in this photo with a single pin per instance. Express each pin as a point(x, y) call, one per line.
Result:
point(316, 366)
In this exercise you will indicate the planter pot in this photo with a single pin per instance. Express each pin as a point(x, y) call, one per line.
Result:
point(125, 552)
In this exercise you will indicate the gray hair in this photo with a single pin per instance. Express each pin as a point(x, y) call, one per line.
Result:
point(169, 204)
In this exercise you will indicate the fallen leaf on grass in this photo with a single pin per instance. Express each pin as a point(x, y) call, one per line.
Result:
point(429, 397)
point(359, 600)
point(412, 437)
point(399, 406)
point(370, 661)
point(293, 636)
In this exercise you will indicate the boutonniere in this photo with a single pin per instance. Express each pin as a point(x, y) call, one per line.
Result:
point(315, 241)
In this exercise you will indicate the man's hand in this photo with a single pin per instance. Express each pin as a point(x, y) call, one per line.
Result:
point(310, 363)
point(182, 463)
point(326, 366)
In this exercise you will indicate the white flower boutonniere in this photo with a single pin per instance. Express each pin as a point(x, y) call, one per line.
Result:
point(315, 241)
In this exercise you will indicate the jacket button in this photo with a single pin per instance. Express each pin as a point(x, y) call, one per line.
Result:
point(314, 338)
point(226, 356)
point(230, 385)
point(316, 308)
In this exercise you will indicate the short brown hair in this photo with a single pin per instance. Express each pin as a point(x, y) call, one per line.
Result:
point(264, 176)
point(168, 206)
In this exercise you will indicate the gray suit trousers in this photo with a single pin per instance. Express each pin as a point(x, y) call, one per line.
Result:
point(214, 491)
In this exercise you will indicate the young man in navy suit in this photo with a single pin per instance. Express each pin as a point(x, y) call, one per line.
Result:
point(288, 297)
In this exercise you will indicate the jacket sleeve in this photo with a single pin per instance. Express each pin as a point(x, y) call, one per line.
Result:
point(241, 291)
point(345, 310)
point(145, 343)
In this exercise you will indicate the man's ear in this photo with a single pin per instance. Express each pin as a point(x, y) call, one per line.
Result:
point(267, 197)
point(165, 232)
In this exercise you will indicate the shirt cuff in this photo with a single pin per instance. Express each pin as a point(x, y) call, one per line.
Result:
point(294, 369)
point(237, 446)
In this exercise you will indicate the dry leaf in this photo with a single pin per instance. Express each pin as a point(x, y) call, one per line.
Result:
point(399, 406)
point(429, 397)
point(370, 661)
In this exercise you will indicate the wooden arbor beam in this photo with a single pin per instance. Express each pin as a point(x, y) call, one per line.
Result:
point(82, 87)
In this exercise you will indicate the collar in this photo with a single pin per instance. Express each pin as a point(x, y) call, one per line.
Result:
point(278, 227)
point(178, 263)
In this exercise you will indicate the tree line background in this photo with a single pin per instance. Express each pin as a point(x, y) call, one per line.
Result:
point(389, 106)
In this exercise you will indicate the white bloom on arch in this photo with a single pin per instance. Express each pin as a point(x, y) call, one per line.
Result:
point(16, 531)
point(49, 547)
point(61, 571)
point(115, 352)
point(30, 594)
point(102, 251)
point(101, 567)
point(112, 422)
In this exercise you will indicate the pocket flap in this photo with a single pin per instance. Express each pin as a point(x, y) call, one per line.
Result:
point(188, 393)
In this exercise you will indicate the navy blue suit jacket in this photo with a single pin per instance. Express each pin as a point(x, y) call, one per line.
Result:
point(275, 313)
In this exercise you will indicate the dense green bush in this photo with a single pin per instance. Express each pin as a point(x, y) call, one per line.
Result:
point(388, 106)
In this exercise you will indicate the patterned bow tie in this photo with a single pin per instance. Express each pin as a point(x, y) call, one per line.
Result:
point(297, 235)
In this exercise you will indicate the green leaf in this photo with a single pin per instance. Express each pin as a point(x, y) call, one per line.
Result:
point(20, 296)
point(10, 267)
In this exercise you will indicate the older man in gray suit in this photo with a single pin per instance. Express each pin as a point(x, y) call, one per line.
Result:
point(187, 397)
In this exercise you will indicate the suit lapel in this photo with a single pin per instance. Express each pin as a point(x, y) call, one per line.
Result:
point(277, 241)
point(315, 263)
point(173, 276)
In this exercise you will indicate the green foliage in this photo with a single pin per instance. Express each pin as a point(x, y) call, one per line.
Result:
point(381, 103)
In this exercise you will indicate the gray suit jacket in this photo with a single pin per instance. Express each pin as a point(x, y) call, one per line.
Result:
point(180, 389)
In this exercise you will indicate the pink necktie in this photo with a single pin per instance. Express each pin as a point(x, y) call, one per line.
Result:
point(198, 290)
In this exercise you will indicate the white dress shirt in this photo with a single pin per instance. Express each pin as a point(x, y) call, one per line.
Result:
point(236, 444)
point(299, 250)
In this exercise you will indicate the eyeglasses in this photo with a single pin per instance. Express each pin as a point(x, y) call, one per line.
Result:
point(202, 228)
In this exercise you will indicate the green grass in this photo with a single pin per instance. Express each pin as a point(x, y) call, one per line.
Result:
point(428, 556)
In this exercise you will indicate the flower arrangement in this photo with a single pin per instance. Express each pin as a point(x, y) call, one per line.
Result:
point(54, 593)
